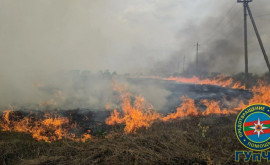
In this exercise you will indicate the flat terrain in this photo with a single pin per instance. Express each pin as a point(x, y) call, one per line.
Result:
point(181, 141)
point(191, 140)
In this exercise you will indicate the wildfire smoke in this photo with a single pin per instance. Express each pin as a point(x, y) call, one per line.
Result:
point(137, 115)
point(134, 112)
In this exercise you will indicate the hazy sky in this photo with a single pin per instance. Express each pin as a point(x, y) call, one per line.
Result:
point(38, 36)
point(41, 37)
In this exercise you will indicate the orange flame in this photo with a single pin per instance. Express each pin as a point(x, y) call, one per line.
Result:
point(260, 96)
point(136, 112)
point(135, 115)
point(213, 108)
point(49, 129)
point(221, 80)
point(188, 108)
point(260, 93)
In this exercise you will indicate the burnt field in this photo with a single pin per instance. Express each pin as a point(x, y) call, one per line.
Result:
point(201, 140)
point(197, 92)
point(156, 82)
point(195, 129)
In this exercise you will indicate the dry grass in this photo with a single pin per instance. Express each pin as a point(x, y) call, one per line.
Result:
point(177, 142)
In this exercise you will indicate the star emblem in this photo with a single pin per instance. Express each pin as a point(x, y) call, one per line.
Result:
point(258, 127)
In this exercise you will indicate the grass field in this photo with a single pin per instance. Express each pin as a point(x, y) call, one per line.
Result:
point(193, 140)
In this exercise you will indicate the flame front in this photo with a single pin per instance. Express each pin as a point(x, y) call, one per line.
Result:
point(188, 108)
point(52, 128)
point(221, 80)
point(260, 93)
point(135, 115)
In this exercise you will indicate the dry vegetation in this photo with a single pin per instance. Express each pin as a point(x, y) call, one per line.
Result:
point(193, 140)
point(178, 142)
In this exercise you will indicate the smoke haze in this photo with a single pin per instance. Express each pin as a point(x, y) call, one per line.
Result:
point(40, 40)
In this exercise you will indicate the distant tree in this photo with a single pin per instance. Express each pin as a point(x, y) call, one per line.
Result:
point(114, 73)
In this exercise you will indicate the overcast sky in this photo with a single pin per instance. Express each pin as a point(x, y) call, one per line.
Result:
point(38, 36)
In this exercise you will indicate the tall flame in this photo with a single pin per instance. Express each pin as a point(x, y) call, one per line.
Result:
point(135, 115)
point(188, 108)
point(260, 93)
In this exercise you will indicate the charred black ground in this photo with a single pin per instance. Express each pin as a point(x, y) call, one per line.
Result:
point(177, 142)
point(201, 139)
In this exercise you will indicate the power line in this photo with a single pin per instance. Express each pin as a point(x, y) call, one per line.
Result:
point(247, 11)
point(259, 38)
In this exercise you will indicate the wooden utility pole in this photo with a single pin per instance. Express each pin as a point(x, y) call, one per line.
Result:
point(197, 57)
point(245, 40)
point(245, 3)
point(247, 9)
point(258, 37)
point(178, 64)
point(184, 64)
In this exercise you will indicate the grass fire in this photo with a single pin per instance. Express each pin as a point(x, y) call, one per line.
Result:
point(124, 82)
point(131, 119)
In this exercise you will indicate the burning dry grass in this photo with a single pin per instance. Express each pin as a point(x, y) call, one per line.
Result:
point(51, 127)
point(260, 93)
point(176, 142)
point(220, 80)
point(188, 108)
point(135, 115)
point(202, 136)
point(141, 114)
